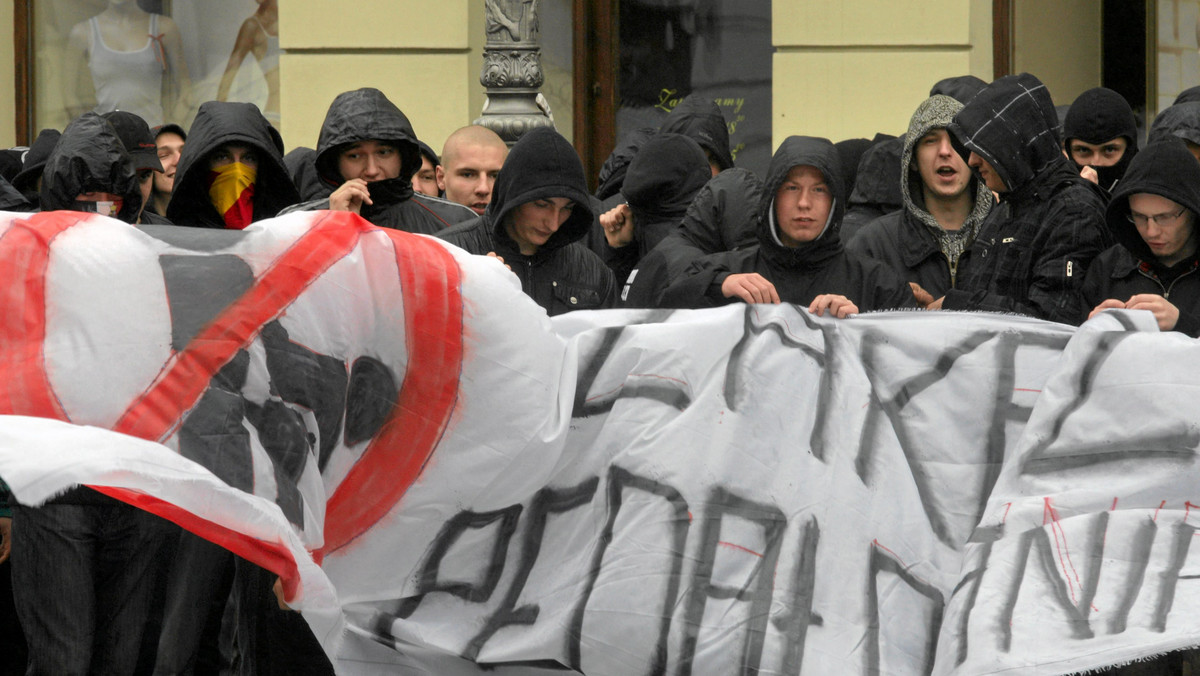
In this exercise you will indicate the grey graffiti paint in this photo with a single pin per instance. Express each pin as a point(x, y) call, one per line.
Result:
point(620, 481)
point(793, 623)
point(760, 582)
point(547, 502)
point(882, 562)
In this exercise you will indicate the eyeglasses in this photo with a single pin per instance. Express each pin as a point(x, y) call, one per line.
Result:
point(1165, 220)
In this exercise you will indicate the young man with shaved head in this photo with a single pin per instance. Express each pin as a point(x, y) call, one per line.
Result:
point(471, 159)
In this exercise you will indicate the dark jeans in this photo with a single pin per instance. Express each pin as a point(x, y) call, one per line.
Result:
point(198, 584)
point(82, 579)
point(12, 639)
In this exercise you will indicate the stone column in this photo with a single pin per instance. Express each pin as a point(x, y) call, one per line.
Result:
point(512, 69)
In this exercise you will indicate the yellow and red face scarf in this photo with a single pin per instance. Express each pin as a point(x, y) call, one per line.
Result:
point(231, 189)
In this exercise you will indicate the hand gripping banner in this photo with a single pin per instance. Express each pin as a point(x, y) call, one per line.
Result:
point(447, 481)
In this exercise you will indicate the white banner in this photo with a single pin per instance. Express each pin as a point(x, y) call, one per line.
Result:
point(744, 490)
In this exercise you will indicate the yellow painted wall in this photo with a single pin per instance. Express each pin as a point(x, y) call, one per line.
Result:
point(1059, 42)
point(8, 109)
point(421, 58)
point(856, 67)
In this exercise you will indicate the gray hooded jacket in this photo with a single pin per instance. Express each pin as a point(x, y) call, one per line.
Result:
point(911, 241)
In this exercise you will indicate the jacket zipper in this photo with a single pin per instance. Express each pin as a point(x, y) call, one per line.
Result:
point(1165, 289)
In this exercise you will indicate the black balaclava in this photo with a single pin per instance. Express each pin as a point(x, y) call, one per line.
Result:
point(1097, 116)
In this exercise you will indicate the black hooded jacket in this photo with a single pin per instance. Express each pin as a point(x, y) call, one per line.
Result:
point(90, 157)
point(801, 273)
point(562, 275)
point(1031, 257)
point(301, 164)
point(700, 119)
point(1181, 119)
point(720, 218)
point(660, 184)
point(366, 114)
point(218, 123)
point(1168, 169)
point(876, 186)
point(612, 172)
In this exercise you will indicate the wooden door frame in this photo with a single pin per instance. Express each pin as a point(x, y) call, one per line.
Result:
point(596, 45)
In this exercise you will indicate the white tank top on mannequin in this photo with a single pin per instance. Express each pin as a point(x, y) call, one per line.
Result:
point(130, 81)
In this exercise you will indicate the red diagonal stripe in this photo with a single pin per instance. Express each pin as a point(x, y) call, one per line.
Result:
point(394, 459)
point(24, 256)
point(159, 410)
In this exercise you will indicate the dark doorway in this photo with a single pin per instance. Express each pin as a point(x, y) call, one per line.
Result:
point(1123, 46)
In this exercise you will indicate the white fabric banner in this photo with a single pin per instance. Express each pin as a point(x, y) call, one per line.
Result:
point(751, 489)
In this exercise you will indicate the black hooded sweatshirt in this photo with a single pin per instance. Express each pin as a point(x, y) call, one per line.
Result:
point(802, 273)
point(1032, 257)
point(218, 123)
point(1097, 116)
point(1168, 169)
point(366, 114)
point(700, 119)
point(301, 164)
point(562, 275)
point(876, 185)
point(720, 218)
point(660, 184)
point(90, 157)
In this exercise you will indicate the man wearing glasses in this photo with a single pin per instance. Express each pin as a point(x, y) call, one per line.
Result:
point(1153, 218)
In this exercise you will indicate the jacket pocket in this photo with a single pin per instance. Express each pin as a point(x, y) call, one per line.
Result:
point(575, 296)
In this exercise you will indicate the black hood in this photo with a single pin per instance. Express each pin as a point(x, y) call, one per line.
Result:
point(701, 119)
point(962, 88)
point(301, 164)
point(1181, 119)
point(1012, 125)
point(877, 181)
point(35, 161)
point(90, 157)
point(665, 176)
point(362, 115)
point(542, 164)
point(218, 123)
point(1097, 116)
point(1188, 95)
point(612, 173)
point(721, 217)
point(796, 151)
point(851, 151)
point(11, 199)
point(1166, 168)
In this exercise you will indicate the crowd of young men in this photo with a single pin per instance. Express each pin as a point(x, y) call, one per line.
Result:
point(999, 208)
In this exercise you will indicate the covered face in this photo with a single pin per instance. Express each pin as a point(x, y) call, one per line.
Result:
point(1100, 131)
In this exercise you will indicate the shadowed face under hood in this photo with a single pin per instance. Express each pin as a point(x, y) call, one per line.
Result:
point(665, 176)
point(541, 165)
point(363, 115)
point(1012, 125)
point(90, 157)
point(701, 120)
point(218, 123)
point(1166, 168)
